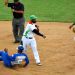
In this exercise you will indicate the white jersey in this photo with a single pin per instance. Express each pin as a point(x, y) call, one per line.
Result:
point(29, 40)
point(28, 30)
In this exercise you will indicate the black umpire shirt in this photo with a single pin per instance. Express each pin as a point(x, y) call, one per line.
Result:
point(17, 7)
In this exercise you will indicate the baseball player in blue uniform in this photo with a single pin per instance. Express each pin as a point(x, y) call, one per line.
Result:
point(15, 59)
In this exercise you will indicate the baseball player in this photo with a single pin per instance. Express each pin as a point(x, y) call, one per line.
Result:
point(18, 19)
point(28, 37)
point(18, 58)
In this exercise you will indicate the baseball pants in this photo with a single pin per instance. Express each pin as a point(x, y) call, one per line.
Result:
point(18, 28)
point(32, 43)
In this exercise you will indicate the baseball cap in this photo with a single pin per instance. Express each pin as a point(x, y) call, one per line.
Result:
point(33, 17)
point(16, 0)
point(20, 47)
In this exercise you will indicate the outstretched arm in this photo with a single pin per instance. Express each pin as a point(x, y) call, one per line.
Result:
point(6, 2)
point(39, 33)
point(18, 11)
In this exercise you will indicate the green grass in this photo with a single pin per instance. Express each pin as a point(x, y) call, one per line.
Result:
point(45, 10)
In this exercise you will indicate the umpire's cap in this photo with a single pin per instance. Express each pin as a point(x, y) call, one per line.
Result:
point(16, 0)
point(33, 17)
point(20, 47)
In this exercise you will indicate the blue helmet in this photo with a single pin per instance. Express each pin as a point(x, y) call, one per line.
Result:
point(20, 47)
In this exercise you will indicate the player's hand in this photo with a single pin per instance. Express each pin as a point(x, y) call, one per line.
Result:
point(6, 2)
point(36, 26)
point(5, 49)
point(25, 65)
point(13, 10)
point(44, 36)
point(70, 27)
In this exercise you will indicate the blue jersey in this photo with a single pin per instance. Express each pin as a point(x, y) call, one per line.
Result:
point(18, 58)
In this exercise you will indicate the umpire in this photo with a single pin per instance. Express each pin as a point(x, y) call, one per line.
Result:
point(18, 19)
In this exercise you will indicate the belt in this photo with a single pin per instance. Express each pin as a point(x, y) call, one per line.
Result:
point(29, 37)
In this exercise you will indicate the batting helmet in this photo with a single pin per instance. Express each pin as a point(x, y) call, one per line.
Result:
point(20, 47)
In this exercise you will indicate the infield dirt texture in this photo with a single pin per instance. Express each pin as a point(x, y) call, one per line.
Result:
point(57, 51)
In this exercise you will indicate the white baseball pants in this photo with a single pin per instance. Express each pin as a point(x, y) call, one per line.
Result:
point(32, 43)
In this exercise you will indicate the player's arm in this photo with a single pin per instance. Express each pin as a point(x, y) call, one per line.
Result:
point(39, 33)
point(35, 29)
point(9, 4)
point(18, 11)
point(6, 2)
point(71, 25)
point(26, 61)
point(13, 57)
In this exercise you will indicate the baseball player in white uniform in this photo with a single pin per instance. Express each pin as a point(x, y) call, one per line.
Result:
point(28, 37)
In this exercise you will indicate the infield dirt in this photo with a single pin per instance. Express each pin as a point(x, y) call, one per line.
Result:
point(57, 51)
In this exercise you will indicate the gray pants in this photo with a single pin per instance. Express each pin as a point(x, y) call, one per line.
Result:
point(18, 28)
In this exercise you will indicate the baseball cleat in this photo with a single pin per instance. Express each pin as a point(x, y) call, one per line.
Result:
point(39, 64)
point(16, 41)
